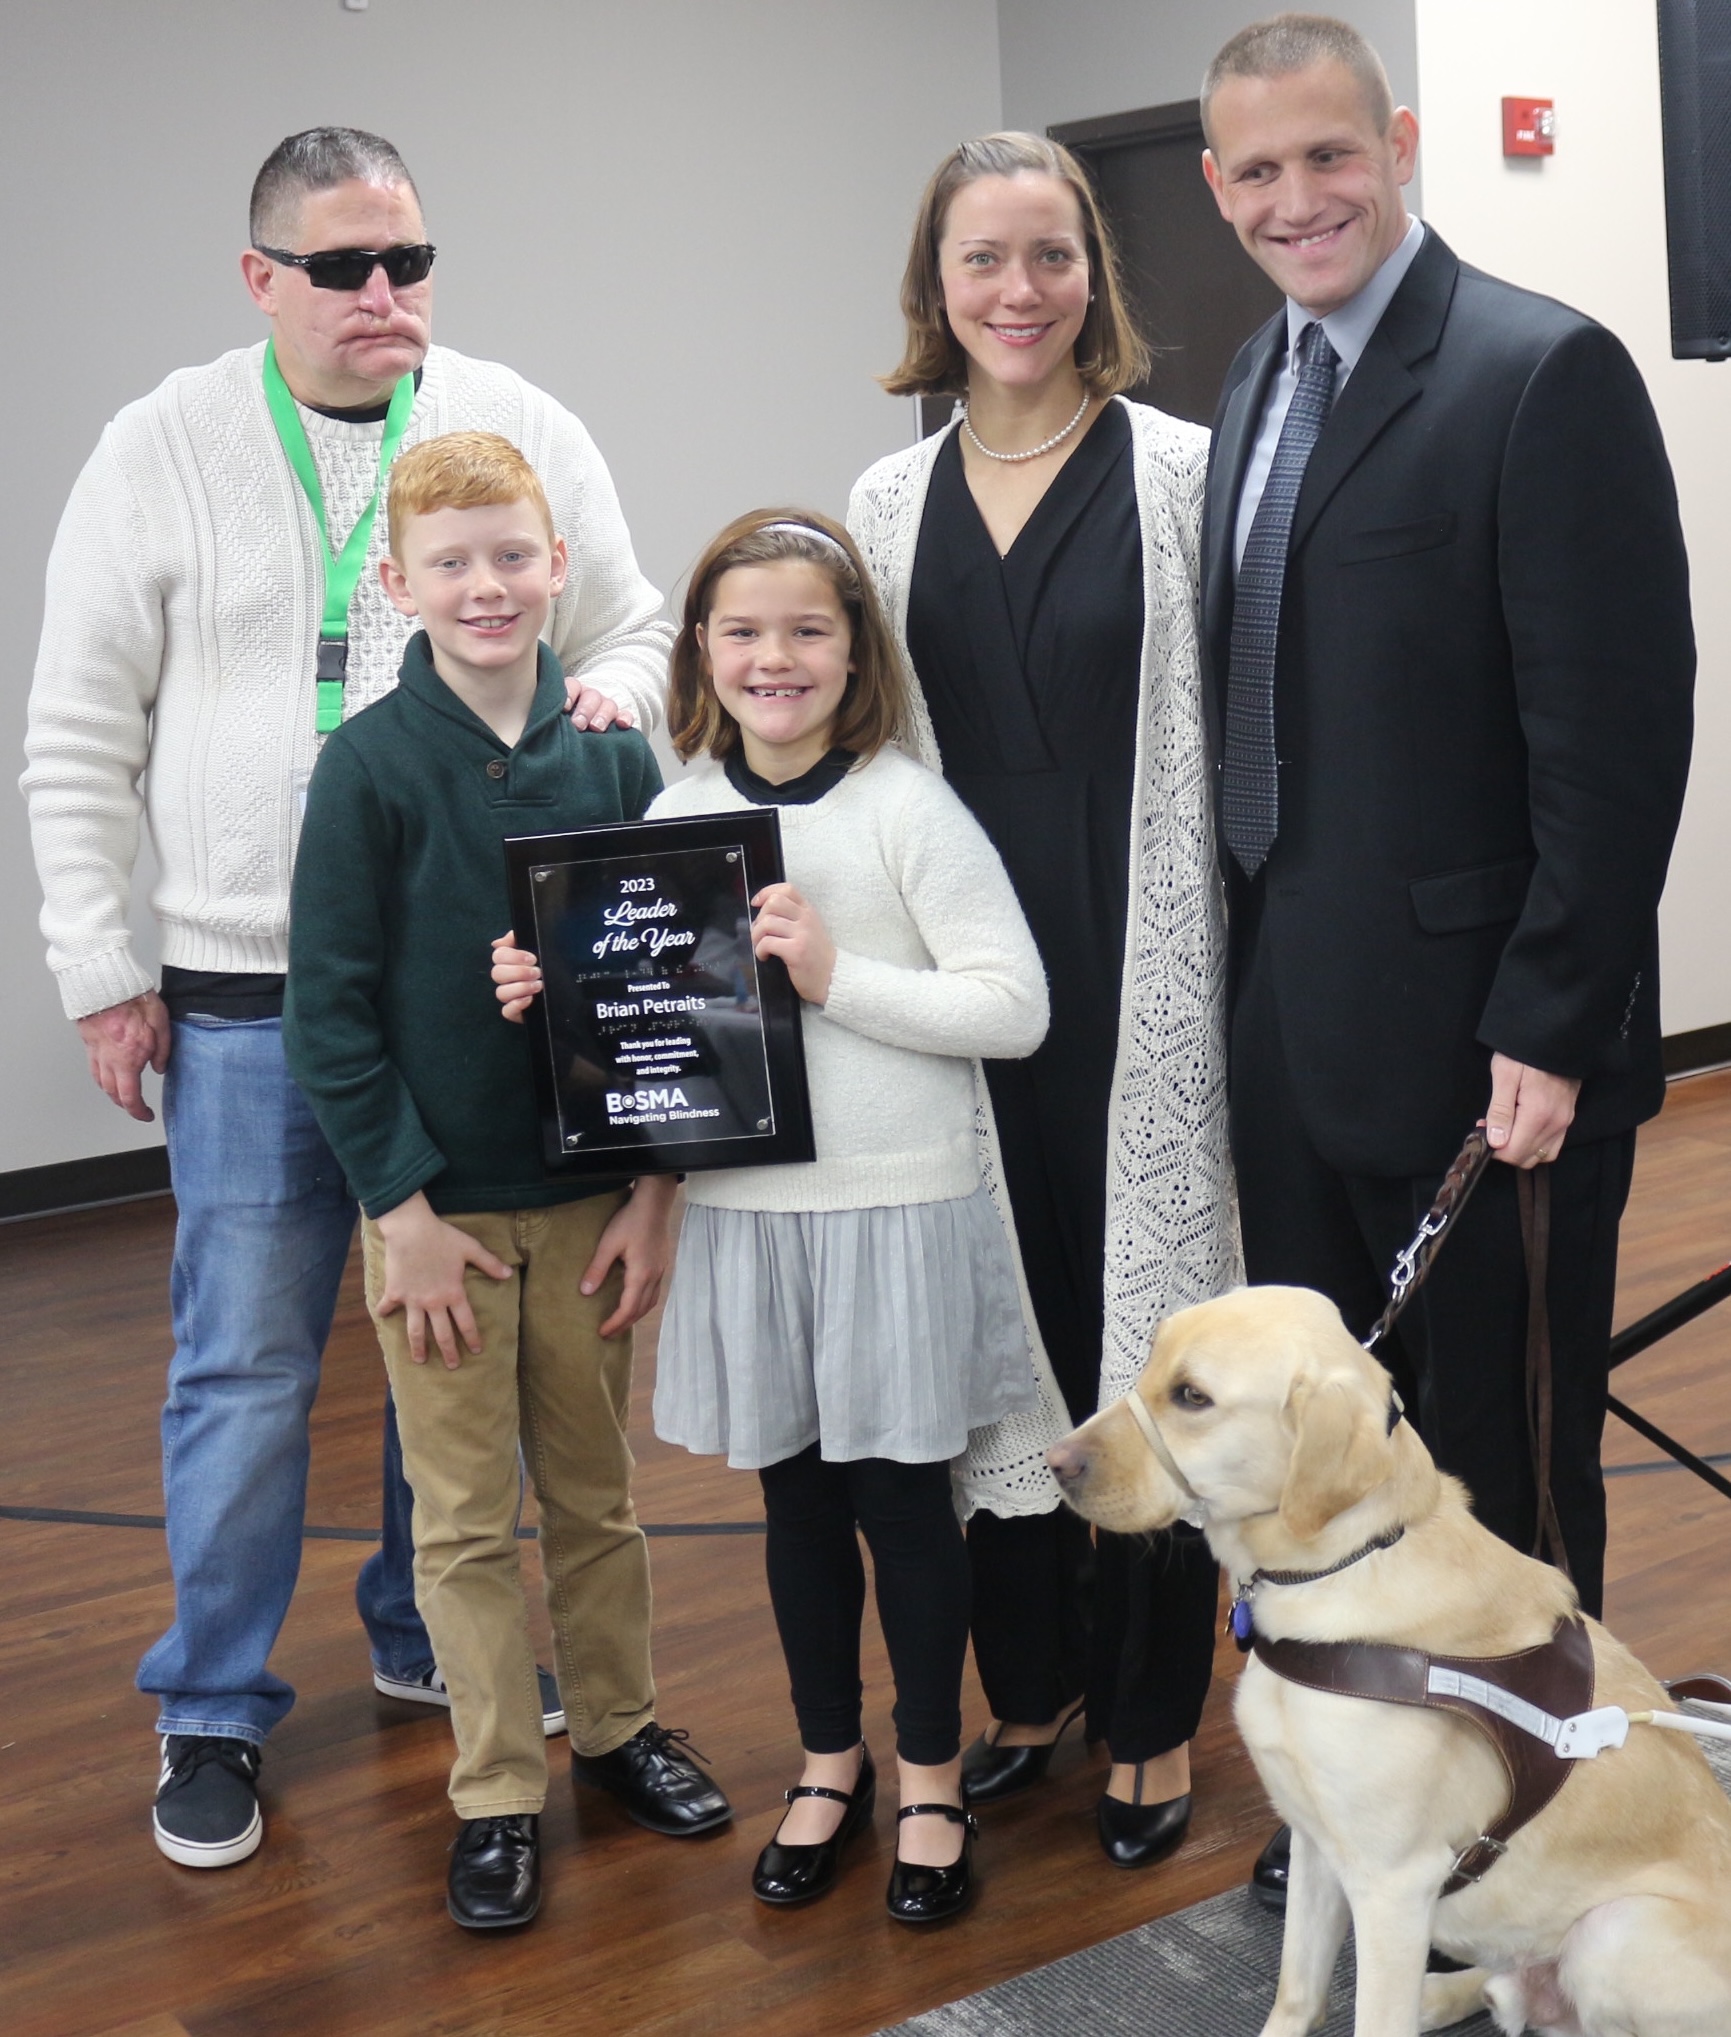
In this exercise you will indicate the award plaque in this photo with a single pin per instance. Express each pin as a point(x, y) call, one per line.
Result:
point(660, 1043)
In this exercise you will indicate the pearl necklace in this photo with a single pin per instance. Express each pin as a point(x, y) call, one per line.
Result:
point(1033, 452)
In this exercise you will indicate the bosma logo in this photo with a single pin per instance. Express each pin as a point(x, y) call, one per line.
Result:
point(621, 1100)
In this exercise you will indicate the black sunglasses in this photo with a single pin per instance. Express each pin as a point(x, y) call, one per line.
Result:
point(349, 268)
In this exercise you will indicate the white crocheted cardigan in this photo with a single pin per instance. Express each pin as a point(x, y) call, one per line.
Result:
point(1171, 1222)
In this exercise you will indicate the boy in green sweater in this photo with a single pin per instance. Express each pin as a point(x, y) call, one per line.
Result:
point(503, 1296)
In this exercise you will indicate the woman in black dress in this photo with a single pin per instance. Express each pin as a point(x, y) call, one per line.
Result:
point(1039, 559)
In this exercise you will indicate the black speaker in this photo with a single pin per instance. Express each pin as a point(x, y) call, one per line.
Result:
point(1695, 93)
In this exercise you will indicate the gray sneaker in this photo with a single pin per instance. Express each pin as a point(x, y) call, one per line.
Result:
point(430, 1690)
point(207, 1812)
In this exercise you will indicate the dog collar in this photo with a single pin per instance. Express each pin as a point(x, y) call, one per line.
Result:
point(1243, 1619)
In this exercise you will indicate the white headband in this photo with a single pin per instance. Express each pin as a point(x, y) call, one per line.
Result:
point(809, 530)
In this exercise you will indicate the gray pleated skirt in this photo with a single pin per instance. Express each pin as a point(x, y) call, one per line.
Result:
point(876, 1332)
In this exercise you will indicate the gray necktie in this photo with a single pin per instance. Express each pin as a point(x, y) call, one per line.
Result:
point(1250, 793)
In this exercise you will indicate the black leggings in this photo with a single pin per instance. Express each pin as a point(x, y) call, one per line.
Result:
point(817, 1587)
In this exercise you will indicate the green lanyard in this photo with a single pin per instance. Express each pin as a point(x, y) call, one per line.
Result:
point(343, 572)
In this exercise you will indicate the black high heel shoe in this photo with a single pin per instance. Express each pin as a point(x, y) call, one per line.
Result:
point(1273, 1870)
point(991, 1772)
point(1137, 1834)
point(926, 1895)
point(785, 1875)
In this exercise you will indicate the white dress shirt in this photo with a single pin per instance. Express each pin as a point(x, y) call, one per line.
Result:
point(1349, 330)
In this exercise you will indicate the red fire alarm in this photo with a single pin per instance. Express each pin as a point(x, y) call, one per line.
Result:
point(1529, 127)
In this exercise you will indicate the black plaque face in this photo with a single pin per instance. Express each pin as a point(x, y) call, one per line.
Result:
point(661, 1043)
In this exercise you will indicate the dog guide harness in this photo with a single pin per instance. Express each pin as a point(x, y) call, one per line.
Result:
point(1520, 1703)
point(1535, 1707)
point(1523, 1704)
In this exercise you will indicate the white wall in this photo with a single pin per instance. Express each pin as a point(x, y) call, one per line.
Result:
point(687, 220)
point(1588, 225)
point(1075, 59)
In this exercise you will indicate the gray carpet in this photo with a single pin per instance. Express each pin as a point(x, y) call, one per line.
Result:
point(1209, 1971)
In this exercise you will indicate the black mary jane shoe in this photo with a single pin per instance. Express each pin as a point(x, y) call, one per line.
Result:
point(991, 1772)
point(927, 1895)
point(1137, 1834)
point(1273, 1870)
point(785, 1875)
point(656, 1778)
point(495, 1877)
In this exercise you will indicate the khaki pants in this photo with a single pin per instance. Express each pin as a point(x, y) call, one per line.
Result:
point(547, 1377)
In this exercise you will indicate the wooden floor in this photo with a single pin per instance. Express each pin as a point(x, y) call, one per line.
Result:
point(337, 1926)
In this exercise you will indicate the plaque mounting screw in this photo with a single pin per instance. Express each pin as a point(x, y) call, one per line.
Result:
point(541, 876)
point(763, 1124)
point(733, 855)
point(573, 1139)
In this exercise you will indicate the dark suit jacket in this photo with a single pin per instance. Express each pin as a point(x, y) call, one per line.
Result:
point(1483, 712)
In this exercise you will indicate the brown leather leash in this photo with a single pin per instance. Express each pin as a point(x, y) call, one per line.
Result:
point(1534, 1186)
point(1413, 1264)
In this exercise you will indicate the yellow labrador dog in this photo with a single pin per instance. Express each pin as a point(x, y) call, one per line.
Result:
point(1610, 1914)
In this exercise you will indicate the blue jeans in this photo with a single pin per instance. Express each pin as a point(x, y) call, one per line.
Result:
point(265, 1220)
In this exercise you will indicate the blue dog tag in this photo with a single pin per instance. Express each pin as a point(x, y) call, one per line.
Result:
point(1243, 1624)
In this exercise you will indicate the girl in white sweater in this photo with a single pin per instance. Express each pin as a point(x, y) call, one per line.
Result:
point(840, 1325)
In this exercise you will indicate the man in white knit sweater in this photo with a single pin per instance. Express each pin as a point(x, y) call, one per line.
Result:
point(198, 571)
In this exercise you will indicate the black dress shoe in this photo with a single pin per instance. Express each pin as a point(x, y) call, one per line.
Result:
point(991, 1771)
point(495, 1878)
point(785, 1875)
point(655, 1777)
point(1273, 1870)
point(1136, 1835)
point(926, 1895)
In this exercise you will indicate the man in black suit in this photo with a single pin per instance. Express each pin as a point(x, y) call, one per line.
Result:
point(1450, 669)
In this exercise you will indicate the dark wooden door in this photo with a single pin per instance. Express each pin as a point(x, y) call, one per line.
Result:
point(1197, 294)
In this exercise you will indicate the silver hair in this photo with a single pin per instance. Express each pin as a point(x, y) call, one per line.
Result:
point(318, 159)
